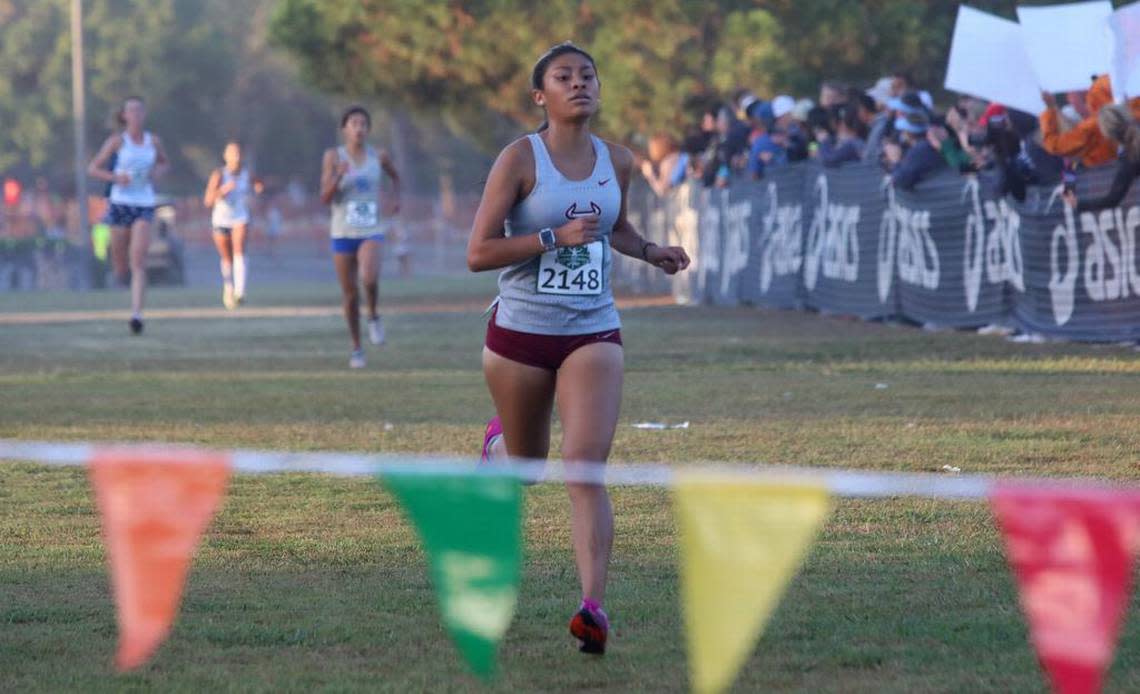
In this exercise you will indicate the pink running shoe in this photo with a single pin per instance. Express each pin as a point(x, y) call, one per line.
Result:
point(494, 430)
point(591, 627)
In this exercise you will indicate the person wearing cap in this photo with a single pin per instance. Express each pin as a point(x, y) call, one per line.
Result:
point(882, 131)
point(766, 150)
point(1004, 146)
point(795, 130)
point(880, 91)
point(901, 83)
point(921, 159)
point(742, 99)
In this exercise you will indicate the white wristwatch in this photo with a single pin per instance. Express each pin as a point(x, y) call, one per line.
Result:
point(546, 238)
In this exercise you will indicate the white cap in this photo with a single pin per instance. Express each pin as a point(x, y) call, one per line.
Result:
point(803, 107)
point(881, 92)
point(782, 105)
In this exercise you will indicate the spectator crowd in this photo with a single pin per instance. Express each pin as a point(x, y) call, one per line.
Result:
point(896, 125)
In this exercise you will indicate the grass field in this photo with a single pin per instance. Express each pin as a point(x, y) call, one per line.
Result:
point(315, 583)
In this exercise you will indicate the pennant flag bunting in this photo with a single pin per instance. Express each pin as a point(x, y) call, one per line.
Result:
point(1072, 554)
point(154, 508)
point(740, 542)
point(472, 533)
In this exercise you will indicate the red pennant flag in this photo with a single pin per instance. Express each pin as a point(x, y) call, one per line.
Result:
point(1072, 553)
point(155, 506)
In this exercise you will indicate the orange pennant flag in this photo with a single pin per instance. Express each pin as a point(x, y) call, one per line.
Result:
point(155, 505)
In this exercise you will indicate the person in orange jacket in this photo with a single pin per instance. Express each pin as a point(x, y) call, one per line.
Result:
point(1084, 141)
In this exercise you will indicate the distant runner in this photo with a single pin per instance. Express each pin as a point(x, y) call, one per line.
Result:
point(350, 184)
point(228, 192)
point(139, 161)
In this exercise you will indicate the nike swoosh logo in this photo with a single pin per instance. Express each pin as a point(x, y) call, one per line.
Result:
point(602, 183)
point(607, 335)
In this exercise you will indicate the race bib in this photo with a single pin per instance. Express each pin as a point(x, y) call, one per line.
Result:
point(573, 270)
point(362, 214)
point(138, 178)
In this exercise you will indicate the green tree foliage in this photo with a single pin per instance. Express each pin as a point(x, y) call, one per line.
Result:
point(469, 59)
point(203, 66)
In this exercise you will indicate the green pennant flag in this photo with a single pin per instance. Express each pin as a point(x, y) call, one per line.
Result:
point(472, 532)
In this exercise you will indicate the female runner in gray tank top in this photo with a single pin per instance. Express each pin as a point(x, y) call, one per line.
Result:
point(552, 213)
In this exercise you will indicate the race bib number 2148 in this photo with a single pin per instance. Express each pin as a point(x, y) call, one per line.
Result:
point(573, 270)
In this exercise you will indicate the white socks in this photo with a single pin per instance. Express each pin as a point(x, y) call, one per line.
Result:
point(227, 273)
point(239, 275)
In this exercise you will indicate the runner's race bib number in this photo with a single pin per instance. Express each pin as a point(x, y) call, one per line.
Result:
point(362, 214)
point(573, 270)
point(139, 178)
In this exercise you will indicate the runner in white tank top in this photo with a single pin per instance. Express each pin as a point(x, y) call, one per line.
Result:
point(229, 192)
point(350, 185)
point(140, 160)
point(552, 213)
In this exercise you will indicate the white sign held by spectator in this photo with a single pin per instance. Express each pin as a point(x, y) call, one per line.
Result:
point(1125, 26)
point(987, 60)
point(1066, 44)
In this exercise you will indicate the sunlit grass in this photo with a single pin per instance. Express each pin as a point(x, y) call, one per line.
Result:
point(309, 582)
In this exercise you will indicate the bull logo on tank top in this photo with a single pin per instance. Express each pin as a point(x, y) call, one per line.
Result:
point(574, 257)
point(573, 211)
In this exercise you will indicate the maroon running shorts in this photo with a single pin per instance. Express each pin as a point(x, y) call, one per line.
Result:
point(542, 351)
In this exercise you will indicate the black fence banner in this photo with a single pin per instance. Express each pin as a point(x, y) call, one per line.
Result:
point(937, 271)
point(849, 223)
point(777, 249)
point(1082, 271)
point(952, 252)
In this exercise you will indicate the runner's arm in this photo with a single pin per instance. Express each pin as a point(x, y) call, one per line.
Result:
point(161, 161)
point(211, 195)
point(390, 169)
point(488, 247)
point(330, 177)
point(97, 167)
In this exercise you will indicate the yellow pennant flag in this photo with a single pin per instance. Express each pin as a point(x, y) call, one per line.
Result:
point(741, 542)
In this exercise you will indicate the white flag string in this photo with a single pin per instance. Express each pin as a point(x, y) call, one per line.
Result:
point(841, 482)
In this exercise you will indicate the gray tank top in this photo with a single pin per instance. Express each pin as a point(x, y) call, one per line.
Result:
point(137, 161)
point(233, 207)
point(356, 203)
point(565, 291)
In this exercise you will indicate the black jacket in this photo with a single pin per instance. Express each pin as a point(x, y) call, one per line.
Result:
point(1126, 172)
